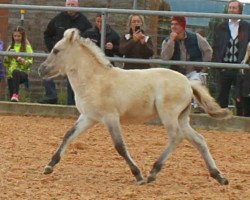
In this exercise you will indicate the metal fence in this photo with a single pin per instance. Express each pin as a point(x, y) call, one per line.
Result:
point(106, 11)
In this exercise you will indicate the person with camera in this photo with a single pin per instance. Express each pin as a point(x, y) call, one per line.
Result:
point(136, 44)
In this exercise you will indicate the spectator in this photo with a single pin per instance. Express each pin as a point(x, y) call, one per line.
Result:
point(54, 33)
point(1, 64)
point(17, 67)
point(230, 42)
point(136, 44)
point(243, 85)
point(112, 38)
point(186, 46)
point(2, 80)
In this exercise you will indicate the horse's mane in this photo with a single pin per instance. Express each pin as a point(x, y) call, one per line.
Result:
point(91, 46)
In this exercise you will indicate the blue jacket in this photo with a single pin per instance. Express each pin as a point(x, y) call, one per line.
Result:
point(192, 47)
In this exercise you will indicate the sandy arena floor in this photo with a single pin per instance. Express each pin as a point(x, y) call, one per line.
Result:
point(92, 169)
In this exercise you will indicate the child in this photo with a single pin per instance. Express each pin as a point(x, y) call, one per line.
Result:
point(1, 64)
point(17, 67)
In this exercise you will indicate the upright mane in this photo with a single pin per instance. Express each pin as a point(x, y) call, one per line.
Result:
point(74, 35)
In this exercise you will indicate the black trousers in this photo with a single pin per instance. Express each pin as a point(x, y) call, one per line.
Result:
point(246, 106)
point(227, 79)
point(18, 77)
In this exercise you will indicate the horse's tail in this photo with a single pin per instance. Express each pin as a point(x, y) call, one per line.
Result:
point(208, 102)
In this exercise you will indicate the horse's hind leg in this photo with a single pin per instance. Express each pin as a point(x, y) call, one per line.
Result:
point(175, 138)
point(82, 124)
point(115, 131)
point(199, 142)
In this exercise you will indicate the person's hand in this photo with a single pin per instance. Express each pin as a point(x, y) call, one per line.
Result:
point(136, 36)
point(139, 36)
point(21, 60)
point(173, 36)
point(109, 45)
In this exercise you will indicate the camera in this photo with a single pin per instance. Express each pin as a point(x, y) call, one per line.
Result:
point(137, 28)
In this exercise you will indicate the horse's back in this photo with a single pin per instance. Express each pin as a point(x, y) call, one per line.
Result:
point(141, 93)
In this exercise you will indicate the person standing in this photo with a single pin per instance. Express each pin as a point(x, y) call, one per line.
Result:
point(53, 33)
point(243, 85)
point(136, 44)
point(1, 63)
point(230, 42)
point(112, 37)
point(185, 45)
point(2, 76)
point(17, 67)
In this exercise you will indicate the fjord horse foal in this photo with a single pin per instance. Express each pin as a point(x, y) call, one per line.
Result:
point(109, 95)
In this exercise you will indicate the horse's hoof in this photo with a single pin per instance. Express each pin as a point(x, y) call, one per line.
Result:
point(141, 182)
point(48, 170)
point(223, 181)
point(151, 179)
point(219, 177)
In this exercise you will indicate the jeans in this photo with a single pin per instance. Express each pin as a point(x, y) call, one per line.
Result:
point(50, 89)
point(71, 95)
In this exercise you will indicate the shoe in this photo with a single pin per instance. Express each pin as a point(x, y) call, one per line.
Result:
point(14, 98)
point(47, 101)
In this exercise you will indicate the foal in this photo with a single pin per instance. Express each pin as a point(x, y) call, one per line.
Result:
point(107, 94)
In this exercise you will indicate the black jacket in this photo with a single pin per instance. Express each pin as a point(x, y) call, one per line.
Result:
point(111, 36)
point(222, 37)
point(60, 23)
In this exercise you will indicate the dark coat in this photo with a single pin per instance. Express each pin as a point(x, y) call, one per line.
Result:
point(60, 23)
point(222, 37)
point(131, 49)
point(111, 36)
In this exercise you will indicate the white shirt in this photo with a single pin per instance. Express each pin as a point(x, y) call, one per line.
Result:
point(234, 27)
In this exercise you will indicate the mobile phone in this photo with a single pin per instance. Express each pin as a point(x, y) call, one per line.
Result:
point(137, 28)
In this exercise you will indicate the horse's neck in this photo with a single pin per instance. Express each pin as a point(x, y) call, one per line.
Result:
point(86, 74)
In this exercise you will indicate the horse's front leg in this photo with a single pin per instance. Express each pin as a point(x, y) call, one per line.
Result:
point(82, 124)
point(116, 134)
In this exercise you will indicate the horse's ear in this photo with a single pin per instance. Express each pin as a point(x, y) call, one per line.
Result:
point(72, 34)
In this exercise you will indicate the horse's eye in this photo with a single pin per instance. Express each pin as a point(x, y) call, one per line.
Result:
point(55, 51)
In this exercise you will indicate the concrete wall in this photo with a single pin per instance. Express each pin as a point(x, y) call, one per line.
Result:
point(201, 121)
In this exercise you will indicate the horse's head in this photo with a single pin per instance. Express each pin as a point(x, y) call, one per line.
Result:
point(62, 55)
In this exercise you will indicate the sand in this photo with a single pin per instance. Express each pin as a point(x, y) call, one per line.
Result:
point(92, 169)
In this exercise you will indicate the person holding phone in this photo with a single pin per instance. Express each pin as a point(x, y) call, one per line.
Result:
point(136, 44)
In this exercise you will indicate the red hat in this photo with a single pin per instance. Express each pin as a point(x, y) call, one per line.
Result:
point(181, 20)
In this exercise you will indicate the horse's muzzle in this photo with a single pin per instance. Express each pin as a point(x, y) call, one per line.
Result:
point(42, 70)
